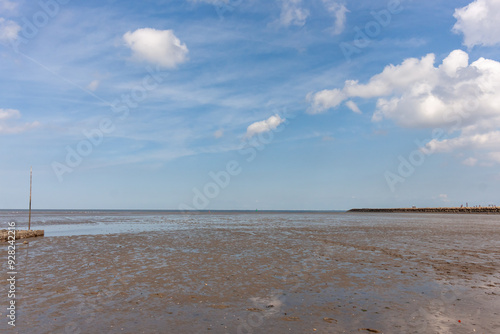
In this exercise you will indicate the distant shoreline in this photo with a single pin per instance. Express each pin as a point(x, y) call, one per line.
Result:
point(488, 210)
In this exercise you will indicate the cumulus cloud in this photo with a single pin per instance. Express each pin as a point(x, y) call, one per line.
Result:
point(160, 47)
point(353, 106)
point(392, 79)
point(9, 30)
point(338, 11)
point(292, 13)
point(9, 113)
point(10, 127)
point(489, 140)
point(455, 96)
point(264, 126)
point(479, 22)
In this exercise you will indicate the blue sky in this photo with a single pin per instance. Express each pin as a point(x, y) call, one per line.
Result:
point(283, 104)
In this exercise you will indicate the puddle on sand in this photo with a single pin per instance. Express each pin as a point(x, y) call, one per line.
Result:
point(105, 228)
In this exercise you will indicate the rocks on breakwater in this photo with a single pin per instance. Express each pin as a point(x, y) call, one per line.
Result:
point(494, 210)
point(21, 234)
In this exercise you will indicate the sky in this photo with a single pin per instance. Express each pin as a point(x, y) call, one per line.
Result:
point(249, 104)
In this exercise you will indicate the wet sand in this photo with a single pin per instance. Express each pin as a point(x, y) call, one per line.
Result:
point(253, 273)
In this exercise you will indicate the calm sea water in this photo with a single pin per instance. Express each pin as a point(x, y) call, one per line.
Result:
point(67, 223)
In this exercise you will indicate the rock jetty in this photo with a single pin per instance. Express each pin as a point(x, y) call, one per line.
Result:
point(484, 210)
point(21, 234)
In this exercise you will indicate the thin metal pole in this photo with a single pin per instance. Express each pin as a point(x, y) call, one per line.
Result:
point(31, 178)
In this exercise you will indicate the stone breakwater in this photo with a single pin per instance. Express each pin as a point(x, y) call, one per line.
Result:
point(21, 234)
point(487, 210)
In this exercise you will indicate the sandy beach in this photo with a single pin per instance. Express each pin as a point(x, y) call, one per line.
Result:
point(268, 273)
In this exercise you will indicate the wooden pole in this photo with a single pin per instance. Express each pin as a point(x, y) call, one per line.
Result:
point(31, 178)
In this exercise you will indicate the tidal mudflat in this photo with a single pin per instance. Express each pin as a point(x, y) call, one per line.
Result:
point(259, 273)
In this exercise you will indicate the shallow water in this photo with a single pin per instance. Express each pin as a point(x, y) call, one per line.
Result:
point(67, 223)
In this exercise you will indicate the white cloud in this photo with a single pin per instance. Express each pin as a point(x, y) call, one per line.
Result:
point(218, 133)
point(6, 114)
point(7, 6)
point(338, 11)
point(470, 161)
point(479, 22)
point(455, 96)
point(9, 30)
point(93, 85)
point(264, 126)
point(418, 94)
point(325, 99)
point(292, 13)
point(489, 140)
point(353, 106)
point(392, 79)
point(9, 113)
point(159, 47)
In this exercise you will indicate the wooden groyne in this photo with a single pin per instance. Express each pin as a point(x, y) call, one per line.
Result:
point(484, 210)
point(21, 234)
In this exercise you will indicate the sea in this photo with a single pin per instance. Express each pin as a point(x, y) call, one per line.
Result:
point(96, 222)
